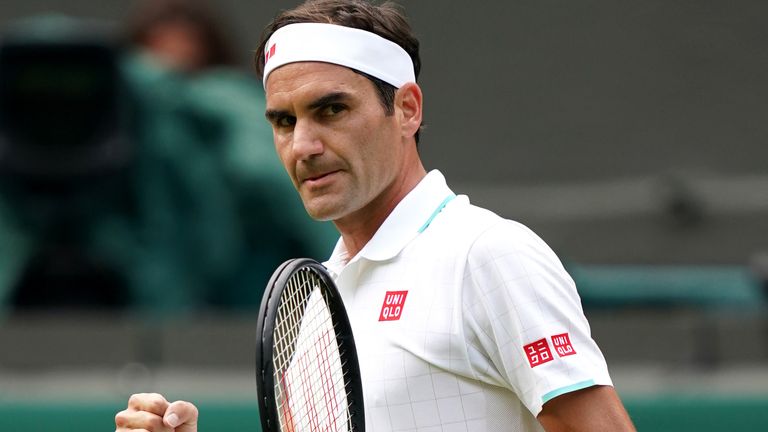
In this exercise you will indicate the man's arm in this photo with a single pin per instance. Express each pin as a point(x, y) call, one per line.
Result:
point(593, 409)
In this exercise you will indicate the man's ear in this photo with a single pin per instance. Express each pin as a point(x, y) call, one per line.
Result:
point(409, 104)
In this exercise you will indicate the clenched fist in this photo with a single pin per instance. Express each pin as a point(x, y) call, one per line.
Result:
point(151, 412)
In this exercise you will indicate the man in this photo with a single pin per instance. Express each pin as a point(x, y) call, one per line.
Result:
point(463, 320)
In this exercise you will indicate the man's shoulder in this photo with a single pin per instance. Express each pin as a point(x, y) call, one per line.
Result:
point(481, 223)
point(461, 214)
point(485, 233)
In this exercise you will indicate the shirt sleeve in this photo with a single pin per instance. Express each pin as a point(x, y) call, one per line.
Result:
point(525, 316)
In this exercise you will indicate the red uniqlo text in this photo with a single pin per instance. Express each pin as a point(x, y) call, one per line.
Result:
point(392, 309)
point(538, 352)
point(562, 344)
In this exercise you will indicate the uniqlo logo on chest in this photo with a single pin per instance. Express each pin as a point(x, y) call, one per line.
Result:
point(392, 309)
point(562, 344)
point(538, 352)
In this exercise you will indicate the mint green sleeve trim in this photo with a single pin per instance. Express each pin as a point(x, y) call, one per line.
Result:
point(567, 389)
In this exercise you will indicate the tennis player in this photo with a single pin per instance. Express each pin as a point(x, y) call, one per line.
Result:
point(463, 320)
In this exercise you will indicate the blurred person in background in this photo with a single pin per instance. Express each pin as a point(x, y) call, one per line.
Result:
point(211, 165)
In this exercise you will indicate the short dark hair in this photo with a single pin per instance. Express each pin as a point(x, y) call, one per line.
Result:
point(151, 14)
point(386, 20)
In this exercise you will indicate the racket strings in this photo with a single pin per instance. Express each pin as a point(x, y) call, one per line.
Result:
point(310, 376)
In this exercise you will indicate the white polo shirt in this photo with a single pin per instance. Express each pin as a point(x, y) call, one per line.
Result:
point(463, 320)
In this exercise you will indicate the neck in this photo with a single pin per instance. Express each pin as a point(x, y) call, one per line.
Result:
point(359, 228)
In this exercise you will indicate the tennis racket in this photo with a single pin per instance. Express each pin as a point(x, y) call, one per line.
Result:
point(307, 373)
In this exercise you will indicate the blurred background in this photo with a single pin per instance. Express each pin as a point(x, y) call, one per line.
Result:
point(142, 207)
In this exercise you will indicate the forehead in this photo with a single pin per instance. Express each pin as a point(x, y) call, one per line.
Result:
point(310, 79)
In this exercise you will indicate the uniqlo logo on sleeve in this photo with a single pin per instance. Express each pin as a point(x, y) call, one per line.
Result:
point(538, 352)
point(392, 309)
point(562, 344)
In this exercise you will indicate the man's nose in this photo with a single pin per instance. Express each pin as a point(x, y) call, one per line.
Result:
point(306, 140)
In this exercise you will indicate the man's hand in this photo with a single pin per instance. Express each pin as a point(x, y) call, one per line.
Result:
point(152, 413)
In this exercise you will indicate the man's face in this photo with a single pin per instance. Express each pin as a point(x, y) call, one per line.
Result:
point(342, 152)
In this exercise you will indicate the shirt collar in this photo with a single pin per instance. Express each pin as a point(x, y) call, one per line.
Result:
point(409, 218)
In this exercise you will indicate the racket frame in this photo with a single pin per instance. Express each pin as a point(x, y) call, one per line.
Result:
point(265, 328)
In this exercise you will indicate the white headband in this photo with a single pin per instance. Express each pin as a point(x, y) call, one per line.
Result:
point(354, 48)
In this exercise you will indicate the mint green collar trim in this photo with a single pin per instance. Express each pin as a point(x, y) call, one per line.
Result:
point(439, 208)
point(567, 389)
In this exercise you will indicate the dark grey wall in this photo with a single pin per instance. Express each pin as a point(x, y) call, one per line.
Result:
point(604, 125)
point(562, 91)
point(620, 131)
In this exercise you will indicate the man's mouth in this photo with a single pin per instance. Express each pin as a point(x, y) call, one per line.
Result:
point(318, 178)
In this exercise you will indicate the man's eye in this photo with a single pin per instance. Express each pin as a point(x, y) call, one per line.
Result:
point(286, 121)
point(332, 109)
